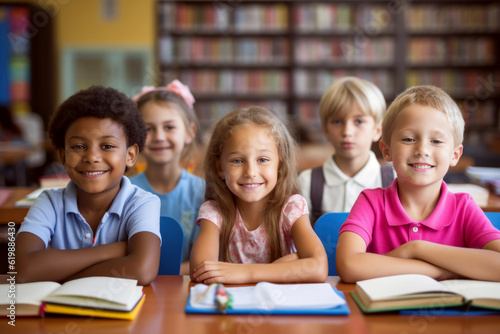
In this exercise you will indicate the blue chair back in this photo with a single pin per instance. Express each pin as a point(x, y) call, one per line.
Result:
point(327, 228)
point(494, 218)
point(172, 241)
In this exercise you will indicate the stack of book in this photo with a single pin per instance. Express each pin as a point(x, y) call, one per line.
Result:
point(103, 297)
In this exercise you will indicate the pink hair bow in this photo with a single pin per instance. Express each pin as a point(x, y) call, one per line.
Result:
point(175, 86)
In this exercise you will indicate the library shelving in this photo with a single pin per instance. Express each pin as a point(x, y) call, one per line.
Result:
point(285, 54)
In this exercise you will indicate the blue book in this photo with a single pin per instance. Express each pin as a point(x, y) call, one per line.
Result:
point(267, 298)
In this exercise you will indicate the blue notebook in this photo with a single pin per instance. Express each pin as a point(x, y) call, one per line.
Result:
point(267, 298)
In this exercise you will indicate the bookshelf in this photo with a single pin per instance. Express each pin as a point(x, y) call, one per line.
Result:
point(284, 54)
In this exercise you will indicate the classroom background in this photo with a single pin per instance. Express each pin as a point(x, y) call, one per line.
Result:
point(280, 54)
point(232, 53)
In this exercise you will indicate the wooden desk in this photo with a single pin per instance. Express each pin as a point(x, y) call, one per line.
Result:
point(9, 212)
point(163, 311)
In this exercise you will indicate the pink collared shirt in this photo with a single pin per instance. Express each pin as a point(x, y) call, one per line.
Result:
point(379, 218)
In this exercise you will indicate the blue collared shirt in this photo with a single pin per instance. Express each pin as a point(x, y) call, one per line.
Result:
point(182, 203)
point(54, 218)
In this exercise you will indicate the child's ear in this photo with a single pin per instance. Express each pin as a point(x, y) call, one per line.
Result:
point(190, 133)
point(456, 155)
point(62, 156)
point(220, 172)
point(132, 154)
point(377, 132)
point(386, 151)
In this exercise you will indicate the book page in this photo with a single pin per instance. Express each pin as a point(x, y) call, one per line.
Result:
point(268, 296)
point(400, 286)
point(28, 293)
point(94, 303)
point(472, 289)
point(293, 296)
point(112, 289)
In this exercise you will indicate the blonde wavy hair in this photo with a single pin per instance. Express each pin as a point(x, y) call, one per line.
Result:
point(286, 186)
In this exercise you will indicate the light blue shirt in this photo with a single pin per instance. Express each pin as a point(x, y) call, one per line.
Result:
point(183, 203)
point(54, 218)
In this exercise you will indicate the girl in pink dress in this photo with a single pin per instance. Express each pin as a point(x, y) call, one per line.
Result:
point(254, 225)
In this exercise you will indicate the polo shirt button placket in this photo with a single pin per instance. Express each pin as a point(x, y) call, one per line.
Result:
point(88, 238)
point(414, 234)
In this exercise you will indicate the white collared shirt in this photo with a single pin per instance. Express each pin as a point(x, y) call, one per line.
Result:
point(341, 191)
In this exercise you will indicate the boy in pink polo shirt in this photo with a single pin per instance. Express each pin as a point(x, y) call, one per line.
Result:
point(416, 225)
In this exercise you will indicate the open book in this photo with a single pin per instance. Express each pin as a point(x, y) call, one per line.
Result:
point(268, 298)
point(107, 297)
point(419, 291)
point(29, 199)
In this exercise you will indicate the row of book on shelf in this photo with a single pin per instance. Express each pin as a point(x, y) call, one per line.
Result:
point(225, 49)
point(236, 81)
point(265, 50)
point(474, 85)
point(481, 84)
point(451, 51)
point(319, 16)
point(340, 17)
point(380, 50)
point(344, 50)
point(217, 16)
point(453, 17)
point(119, 298)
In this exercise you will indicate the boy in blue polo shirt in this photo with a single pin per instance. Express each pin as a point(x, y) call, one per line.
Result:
point(100, 224)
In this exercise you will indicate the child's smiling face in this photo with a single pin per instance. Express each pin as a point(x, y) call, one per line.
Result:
point(249, 163)
point(167, 134)
point(422, 146)
point(95, 154)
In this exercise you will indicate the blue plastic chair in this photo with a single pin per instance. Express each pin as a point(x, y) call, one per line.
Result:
point(494, 218)
point(327, 228)
point(172, 241)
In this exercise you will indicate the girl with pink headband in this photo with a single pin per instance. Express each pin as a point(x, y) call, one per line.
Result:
point(171, 131)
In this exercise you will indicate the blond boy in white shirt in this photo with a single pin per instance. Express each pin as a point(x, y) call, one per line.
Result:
point(351, 112)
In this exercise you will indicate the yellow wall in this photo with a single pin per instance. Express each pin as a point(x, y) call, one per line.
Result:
point(80, 23)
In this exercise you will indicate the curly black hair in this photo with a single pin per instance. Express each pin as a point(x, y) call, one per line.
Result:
point(100, 102)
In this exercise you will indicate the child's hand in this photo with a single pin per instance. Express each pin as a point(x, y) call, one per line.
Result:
point(209, 272)
point(406, 251)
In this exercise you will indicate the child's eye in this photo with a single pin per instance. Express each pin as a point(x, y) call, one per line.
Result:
point(436, 141)
point(336, 122)
point(108, 147)
point(236, 161)
point(77, 147)
point(169, 127)
point(408, 140)
point(263, 160)
point(359, 121)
